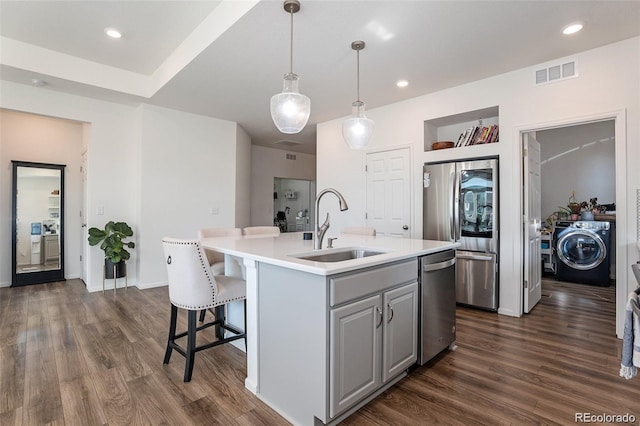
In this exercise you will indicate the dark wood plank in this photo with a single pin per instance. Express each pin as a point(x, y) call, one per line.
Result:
point(81, 403)
point(12, 374)
point(72, 357)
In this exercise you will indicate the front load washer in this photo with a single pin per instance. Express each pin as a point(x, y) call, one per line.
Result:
point(582, 252)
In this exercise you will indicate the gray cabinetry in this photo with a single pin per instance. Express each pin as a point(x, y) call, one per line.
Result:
point(372, 340)
point(400, 342)
point(329, 344)
point(356, 338)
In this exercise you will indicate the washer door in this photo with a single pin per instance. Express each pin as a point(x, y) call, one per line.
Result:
point(581, 249)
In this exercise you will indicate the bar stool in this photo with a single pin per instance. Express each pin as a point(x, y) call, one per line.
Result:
point(267, 231)
point(192, 286)
point(216, 260)
point(359, 231)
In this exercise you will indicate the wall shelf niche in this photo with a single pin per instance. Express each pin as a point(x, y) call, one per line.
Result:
point(451, 127)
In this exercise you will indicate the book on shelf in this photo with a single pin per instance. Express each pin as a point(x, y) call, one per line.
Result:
point(461, 139)
point(476, 135)
point(464, 136)
point(493, 135)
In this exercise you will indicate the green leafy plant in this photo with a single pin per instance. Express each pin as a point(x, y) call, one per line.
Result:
point(112, 237)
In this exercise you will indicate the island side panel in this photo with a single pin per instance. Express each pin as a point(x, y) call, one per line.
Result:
point(293, 343)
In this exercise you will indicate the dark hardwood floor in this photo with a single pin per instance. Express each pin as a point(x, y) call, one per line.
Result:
point(78, 358)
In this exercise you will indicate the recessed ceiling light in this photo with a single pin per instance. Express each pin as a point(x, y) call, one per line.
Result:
point(38, 83)
point(402, 83)
point(112, 32)
point(571, 29)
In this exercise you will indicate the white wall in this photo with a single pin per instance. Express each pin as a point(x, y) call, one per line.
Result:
point(187, 171)
point(578, 159)
point(243, 178)
point(138, 172)
point(28, 137)
point(266, 164)
point(608, 83)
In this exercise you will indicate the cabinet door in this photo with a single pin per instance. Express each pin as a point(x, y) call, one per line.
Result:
point(400, 343)
point(355, 364)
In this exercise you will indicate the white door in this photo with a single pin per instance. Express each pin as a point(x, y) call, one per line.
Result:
point(532, 223)
point(389, 192)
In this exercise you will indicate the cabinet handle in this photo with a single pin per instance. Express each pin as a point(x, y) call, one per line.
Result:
point(391, 312)
point(380, 315)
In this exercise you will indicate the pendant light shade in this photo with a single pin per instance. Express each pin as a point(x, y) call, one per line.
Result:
point(358, 129)
point(290, 109)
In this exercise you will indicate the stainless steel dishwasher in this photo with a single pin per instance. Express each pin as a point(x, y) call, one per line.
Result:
point(437, 329)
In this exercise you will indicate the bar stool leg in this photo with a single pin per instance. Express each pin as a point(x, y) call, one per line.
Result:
point(172, 334)
point(220, 316)
point(191, 346)
point(245, 326)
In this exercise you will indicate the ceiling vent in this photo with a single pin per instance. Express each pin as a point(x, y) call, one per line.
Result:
point(556, 72)
point(286, 143)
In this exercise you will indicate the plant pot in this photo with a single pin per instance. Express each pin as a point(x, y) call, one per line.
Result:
point(121, 269)
point(574, 207)
point(586, 216)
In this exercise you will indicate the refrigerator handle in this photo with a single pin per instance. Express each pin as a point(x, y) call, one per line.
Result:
point(455, 219)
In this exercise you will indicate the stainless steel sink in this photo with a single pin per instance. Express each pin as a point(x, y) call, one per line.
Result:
point(338, 255)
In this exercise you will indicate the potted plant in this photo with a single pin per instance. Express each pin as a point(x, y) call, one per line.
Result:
point(574, 206)
point(115, 248)
point(589, 209)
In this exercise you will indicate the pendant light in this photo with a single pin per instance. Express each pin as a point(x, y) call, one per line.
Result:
point(358, 129)
point(290, 109)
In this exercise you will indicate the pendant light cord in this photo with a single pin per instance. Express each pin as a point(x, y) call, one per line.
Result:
point(291, 45)
point(358, 75)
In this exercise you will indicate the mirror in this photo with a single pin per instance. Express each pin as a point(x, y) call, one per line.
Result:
point(37, 223)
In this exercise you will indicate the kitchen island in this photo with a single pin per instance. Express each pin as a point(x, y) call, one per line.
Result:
point(326, 337)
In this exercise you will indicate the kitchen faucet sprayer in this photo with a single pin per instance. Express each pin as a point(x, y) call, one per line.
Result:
point(321, 229)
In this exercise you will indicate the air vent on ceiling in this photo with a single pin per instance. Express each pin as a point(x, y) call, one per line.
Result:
point(286, 143)
point(556, 72)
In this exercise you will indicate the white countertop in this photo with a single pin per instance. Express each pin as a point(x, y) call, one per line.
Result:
point(279, 250)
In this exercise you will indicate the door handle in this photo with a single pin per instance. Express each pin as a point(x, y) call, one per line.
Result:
point(84, 225)
point(437, 266)
point(471, 257)
point(405, 227)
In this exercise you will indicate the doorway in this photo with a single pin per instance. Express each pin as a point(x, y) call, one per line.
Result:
point(577, 164)
point(35, 138)
point(292, 204)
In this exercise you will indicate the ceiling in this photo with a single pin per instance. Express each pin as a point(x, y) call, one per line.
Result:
point(225, 59)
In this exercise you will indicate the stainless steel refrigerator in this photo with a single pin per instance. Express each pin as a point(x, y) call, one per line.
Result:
point(460, 203)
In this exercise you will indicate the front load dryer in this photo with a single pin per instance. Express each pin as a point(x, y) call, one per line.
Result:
point(582, 253)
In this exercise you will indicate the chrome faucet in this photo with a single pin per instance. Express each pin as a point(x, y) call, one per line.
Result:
point(320, 230)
